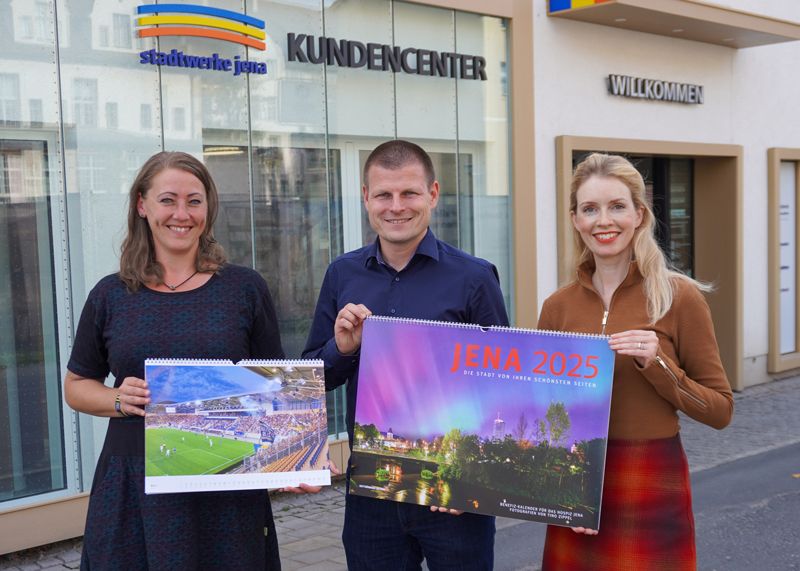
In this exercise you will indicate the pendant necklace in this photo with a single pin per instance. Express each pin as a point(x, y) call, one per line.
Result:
point(174, 287)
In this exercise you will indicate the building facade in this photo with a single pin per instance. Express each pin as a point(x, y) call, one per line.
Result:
point(506, 96)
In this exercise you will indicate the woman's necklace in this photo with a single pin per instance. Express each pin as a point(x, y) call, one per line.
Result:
point(174, 287)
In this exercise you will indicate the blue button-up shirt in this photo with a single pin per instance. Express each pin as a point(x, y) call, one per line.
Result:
point(439, 283)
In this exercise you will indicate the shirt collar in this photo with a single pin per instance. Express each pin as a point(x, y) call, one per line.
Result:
point(428, 247)
point(585, 271)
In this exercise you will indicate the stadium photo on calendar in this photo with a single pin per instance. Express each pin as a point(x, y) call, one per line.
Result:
point(220, 418)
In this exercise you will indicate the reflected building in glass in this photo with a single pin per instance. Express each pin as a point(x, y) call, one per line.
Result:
point(81, 110)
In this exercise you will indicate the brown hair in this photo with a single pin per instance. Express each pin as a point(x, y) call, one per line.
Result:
point(138, 264)
point(396, 154)
point(653, 265)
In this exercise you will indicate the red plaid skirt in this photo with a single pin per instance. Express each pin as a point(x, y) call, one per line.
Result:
point(646, 521)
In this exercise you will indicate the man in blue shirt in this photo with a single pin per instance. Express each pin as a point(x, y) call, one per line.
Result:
point(408, 273)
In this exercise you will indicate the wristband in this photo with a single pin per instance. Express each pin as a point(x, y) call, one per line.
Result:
point(118, 406)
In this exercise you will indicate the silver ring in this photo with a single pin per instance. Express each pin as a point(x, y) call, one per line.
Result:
point(641, 345)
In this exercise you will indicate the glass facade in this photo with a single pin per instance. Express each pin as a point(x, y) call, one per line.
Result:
point(80, 111)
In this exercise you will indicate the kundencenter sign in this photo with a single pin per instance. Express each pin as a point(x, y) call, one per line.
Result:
point(195, 20)
point(305, 48)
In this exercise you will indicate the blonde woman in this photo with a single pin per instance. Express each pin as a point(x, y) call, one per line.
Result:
point(667, 360)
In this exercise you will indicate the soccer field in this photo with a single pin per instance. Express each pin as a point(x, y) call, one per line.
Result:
point(193, 454)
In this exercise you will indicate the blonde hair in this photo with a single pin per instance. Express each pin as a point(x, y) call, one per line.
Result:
point(659, 275)
point(138, 264)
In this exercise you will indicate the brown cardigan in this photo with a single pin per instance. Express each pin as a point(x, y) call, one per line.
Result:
point(688, 376)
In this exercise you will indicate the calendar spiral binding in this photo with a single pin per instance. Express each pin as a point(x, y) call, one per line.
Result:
point(163, 361)
point(282, 362)
point(499, 328)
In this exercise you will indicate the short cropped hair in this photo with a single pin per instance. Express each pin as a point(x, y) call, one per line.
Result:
point(396, 154)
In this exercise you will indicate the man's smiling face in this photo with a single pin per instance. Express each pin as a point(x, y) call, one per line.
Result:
point(399, 203)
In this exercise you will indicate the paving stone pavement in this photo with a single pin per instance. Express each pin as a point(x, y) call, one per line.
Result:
point(309, 526)
point(765, 417)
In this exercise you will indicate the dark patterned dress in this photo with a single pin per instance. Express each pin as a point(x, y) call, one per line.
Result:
point(229, 317)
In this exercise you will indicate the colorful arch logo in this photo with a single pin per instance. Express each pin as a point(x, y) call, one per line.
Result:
point(202, 22)
point(562, 5)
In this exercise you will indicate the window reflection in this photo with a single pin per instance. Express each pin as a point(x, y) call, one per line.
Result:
point(283, 148)
point(229, 167)
point(294, 217)
point(9, 97)
point(31, 462)
point(297, 230)
point(681, 214)
point(294, 212)
point(84, 93)
point(31, 22)
point(483, 136)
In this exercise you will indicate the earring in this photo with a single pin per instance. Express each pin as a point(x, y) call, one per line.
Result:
point(141, 215)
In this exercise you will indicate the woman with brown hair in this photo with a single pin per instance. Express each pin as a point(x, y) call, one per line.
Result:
point(667, 360)
point(174, 296)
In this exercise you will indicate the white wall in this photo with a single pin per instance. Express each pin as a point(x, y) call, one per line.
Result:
point(766, 113)
point(751, 100)
point(780, 9)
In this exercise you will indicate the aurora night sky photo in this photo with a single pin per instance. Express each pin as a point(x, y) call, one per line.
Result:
point(414, 378)
point(498, 421)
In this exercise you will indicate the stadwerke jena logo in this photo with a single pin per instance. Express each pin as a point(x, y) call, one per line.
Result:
point(200, 21)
